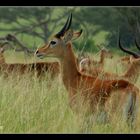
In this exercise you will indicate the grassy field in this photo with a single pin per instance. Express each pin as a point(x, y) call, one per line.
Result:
point(29, 105)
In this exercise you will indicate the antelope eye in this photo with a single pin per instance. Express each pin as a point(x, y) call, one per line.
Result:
point(52, 42)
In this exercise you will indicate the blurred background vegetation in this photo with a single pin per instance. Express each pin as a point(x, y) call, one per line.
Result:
point(35, 25)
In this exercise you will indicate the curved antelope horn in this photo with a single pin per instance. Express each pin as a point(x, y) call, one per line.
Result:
point(128, 51)
point(65, 27)
point(136, 43)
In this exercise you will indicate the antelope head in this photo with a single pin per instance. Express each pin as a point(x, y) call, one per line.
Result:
point(57, 46)
point(134, 54)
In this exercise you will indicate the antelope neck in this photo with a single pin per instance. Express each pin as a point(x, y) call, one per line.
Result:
point(69, 67)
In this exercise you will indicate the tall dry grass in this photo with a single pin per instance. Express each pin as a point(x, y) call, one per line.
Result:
point(30, 105)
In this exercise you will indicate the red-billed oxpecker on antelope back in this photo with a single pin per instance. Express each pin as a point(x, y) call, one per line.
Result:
point(92, 90)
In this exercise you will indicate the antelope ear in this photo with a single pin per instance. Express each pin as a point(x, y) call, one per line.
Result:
point(77, 34)
point(68, 36)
